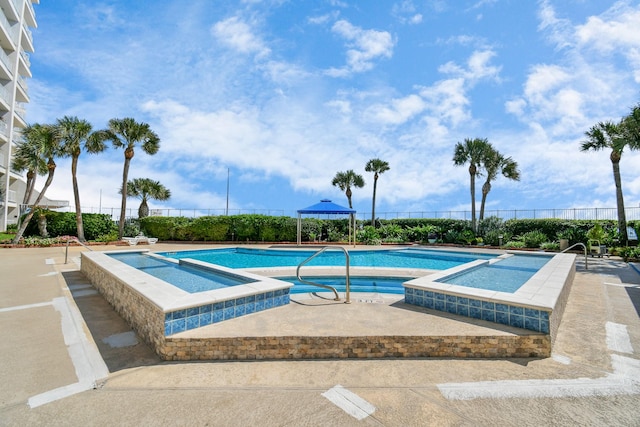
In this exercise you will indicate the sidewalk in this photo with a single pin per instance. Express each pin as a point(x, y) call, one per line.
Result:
point(60, 340)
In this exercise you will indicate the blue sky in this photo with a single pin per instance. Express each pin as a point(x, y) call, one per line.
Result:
point(284, 94)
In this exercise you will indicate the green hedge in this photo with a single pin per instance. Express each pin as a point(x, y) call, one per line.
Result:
point(64, 224)
point(262, 228)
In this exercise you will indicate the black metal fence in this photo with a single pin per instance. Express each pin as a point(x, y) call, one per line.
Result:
point(632, 213)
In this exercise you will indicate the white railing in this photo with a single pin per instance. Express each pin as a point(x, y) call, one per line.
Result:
point(25, 57)
point(23, 83)
point(28, 33)
point(6, 61)
point(10, 29)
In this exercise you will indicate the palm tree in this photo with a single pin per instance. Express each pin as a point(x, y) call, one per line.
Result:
point(471, 151)
point(127, 133)
point(146, 189)
point(40, 146)
point(27, 158)
point(494, 162)
point(76, 135)
point(346, 180)
point(615, 137)
point(376, 166)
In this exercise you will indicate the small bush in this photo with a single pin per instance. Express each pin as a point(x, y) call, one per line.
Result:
point(533, 239)
point(369, 236)
point(514, 244)
point(550, 246)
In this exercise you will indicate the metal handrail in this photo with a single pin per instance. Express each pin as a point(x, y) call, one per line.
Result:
point(586, 266)
point(337, 298)
point(66, 252)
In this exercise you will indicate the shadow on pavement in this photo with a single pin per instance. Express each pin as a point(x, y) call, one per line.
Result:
point(119, 345)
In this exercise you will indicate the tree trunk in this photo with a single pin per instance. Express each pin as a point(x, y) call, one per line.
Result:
point(76, 198)
point(143, 210)
point(25, 223)
point(373, 204)
point(472, 175)
point(42, 225)
point(486, 187)
point(622, 220)
point(123, 205)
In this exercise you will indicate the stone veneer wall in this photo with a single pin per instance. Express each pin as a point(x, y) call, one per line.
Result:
point(302, 347)
point(142, 315)
point(561, 304)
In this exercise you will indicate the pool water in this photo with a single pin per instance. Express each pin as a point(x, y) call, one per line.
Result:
point(396, 258)
point(386, 285)
point(189, 278)
point(505, 275)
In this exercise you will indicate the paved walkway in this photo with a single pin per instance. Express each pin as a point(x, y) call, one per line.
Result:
point(68, 359)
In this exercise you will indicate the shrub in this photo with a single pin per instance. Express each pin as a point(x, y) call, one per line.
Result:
point(369, 236)
point(492, 224)
point(550, 246)
point(492, 238)
point(514, 244)
point(64, 224)
point(533, 239)
point(392, 232)
point(166, 228)
point(210, 228)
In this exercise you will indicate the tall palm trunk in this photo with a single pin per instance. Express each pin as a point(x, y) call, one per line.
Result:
point(622, 219)
point(472, 174)
point(348, 194)
point(123, 205)
point(76, 198)
point(486, 187)
point(373, 205)
point(31, 181)
point(51, 165)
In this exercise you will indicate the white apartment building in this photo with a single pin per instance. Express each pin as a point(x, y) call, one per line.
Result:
point(16, 42)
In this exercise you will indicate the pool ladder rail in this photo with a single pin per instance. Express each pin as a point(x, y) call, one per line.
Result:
point(586, 265)
point(66, 251)
point(335, 292)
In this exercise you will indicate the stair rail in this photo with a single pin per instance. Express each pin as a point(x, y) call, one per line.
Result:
point(66, 252)
point(586, 266)
point(335, 292)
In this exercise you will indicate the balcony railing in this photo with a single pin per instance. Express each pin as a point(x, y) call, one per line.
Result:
point(9, 28)
point(28, 33)
point(6, 61)
point(25, 57)
point(23, 83)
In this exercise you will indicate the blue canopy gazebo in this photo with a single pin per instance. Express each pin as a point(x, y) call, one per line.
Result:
point(327, 207)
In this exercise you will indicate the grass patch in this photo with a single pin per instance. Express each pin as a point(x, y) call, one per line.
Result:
point(6, 237)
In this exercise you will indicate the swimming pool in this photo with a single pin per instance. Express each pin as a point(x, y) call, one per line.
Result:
point(188, 277)
point(369, 284)
point(503, 275)
point(393, 258)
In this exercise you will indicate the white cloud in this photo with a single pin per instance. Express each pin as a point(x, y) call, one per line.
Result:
point(568, 97)
point(365, 46)
point(238, 34)
point(400, 110)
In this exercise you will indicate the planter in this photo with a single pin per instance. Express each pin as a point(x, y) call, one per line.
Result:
point(564, 244)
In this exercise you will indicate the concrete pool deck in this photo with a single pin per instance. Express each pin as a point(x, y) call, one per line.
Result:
point(60, 338)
